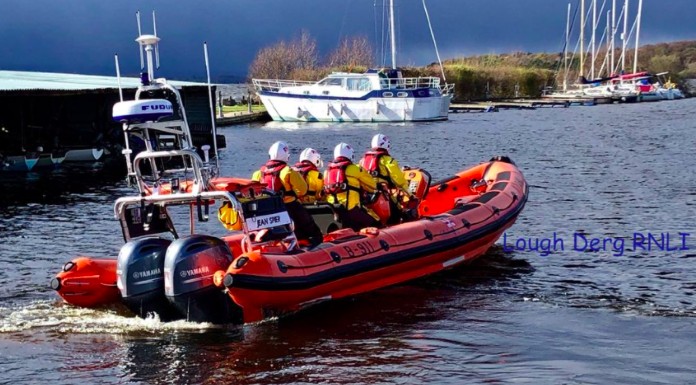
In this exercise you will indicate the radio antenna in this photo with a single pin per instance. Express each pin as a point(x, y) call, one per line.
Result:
point(154, 26)
point(140, 32)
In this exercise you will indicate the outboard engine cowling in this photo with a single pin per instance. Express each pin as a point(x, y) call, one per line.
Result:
point(140, 272)
point(188, 279)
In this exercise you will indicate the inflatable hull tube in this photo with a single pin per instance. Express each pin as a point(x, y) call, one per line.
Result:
point(459, 220)
point(87, 282)
point(140, 273)
point(188, 278)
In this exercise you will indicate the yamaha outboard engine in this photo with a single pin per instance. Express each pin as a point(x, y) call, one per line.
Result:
point(188, 279)
point(140, 272)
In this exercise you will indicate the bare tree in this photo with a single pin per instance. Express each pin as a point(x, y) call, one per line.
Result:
point(304, 50)
point(352, 52)
point(279, 61)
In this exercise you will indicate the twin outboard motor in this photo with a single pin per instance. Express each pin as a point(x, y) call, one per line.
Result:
point(188, 279)
point(140, 273)
point(175, 279)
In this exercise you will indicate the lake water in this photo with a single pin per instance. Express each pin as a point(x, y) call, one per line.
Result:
point(607, 314)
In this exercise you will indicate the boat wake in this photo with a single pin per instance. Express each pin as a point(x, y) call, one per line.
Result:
point(56, 317)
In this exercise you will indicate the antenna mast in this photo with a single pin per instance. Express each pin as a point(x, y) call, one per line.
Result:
point(393, 33)
point(148, 43)
point(212, 107)
point(638, 17)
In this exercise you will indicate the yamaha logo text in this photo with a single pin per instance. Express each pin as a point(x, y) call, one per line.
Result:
point(196, 271)
point(146, 273)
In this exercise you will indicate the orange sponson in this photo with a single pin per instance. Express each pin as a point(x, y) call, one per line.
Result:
point(461, 218)
point(87, 282)
point(91, 282)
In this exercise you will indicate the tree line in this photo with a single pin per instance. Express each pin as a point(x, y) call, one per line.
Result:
point(481, 77)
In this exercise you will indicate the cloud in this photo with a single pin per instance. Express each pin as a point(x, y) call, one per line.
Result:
point(81, 37)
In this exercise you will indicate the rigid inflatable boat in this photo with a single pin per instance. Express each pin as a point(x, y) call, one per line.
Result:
point(261, 270)
point(460, 218)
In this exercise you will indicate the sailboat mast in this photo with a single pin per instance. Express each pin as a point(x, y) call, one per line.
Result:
point(393, 33)
point(606, 56)
point(638, 17)
point(624, 36)
point(582, 37)
point(612, 46)
point(594, 29)
point(565, 51)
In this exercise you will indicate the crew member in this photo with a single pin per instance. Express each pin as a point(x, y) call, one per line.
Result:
point(344, 184)
point(308, 166)
point(282, 179)
point(386, 171)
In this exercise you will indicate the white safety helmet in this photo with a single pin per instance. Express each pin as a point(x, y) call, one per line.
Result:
point(381, 141)
point(345, 150)
point(312, 156)
point(279, 151)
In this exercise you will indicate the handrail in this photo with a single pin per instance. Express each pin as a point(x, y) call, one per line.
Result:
point(197, 164)
point(274, 85)
point(178, 199)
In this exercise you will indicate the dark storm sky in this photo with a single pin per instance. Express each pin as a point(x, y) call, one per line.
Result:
point(81, 36)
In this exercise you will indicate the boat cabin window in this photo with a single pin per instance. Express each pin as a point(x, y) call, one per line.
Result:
point(332, 82)
point(358, 84)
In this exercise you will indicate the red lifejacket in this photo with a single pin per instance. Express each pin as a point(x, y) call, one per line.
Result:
point(270, 175)
point(336, 181)
point(371, 164)
point(304, 168)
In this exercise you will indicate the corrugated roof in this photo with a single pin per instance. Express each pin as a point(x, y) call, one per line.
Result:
point(23, 80)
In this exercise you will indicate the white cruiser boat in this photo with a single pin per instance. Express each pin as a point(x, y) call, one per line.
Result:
point(373, 96)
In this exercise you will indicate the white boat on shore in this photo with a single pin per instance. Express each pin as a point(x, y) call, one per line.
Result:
point(84, 155)
point(373, 96)
point(18, 163)
point(46, 161)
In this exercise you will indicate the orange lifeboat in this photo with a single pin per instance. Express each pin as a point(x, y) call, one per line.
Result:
point(459, 219)
point(265, 273)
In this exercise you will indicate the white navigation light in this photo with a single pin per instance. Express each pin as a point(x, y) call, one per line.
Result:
point(139, 111)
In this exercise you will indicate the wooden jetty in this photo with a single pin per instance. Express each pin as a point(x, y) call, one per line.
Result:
point(471, 107)
point(517, 104)
point(239, 117)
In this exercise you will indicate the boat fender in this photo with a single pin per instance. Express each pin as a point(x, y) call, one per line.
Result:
point(282, 267)
point(466, 223)
point(336, 257)
point(428, 235)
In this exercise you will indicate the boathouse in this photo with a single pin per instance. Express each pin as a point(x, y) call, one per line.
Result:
point(56, 111)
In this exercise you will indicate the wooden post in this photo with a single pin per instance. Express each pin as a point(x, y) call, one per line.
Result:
point(220, 104)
